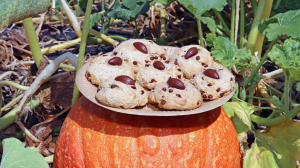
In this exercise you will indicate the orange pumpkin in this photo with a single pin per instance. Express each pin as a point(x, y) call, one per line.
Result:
point(92, 136)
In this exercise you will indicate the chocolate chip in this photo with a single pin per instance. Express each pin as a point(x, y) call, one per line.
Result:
point(152, 80)
point(98, 90)
point(142, 92)
point(121, 107)
point(202, 63)
point(210, 96)
point(151, 58)
point(159, 65)
point(202, 92)
point(141, 47)
point(115, 53)
point(202, 78)
point(88, 74)
point(176, 63)
point(198, 103)
point(115, 61)
point(162, 96)
point(197, 58)
point(155, 57)
point(218, 90)
point(191, 52)
point(147, 61)
point(179, 76)
point(133, 87)
point(164, 89)
point(176, 83)
point(147, 65)
point(194, 76)
point(211, 73)
point(221, 94)
point(184, 75)
point(231, 79)
point(205, 65)
point(170, 90)
point(134, 63)
point(104, 55)
point(179, 70)
point(210, 84)
point(163, 57)
point(211, 54)
point(167, 62)
point(125, 79)
point(204, 96)
point(163, 102)
point(113, 86)
point(178, 95)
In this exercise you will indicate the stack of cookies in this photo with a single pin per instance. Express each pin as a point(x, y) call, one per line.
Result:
point(139, 71)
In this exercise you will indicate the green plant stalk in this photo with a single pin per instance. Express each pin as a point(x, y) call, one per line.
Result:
point(277, 4)
point(200, 32)
point(262, 61)
point(251, 92)
point(232, 21)
point(218, 14)
point(33, 41)
point(22, 80)
point(280, 94)
point(242, 23)
point(275, 121)
point(49, 159)
point(117, 37)
point(102, 20)
point(254, 7)
point(67, 66)
point(11, 84)
point(162, 25)
point(9, 118)
point(76, 93)
point(254, 28)
point(104, 37)
point(272, 115)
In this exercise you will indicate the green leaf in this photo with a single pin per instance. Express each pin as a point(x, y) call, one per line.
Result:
point(242, 113)
point(15, 155)
point(116, 5)
point(298, 86)
point(280, 147)
point(284, 6)
point(287, 57)
point(137, 7)
point(120, 13)
point(211, 24)
point(275, 100)
point(15, 10)
point(198, 7)
point(281, 24)
point(165, 2)
point(228, 54)
point(95, 18)
point(210, 38)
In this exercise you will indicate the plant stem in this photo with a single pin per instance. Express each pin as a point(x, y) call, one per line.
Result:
point(242, 23)
point(22, 80)
point(9, 118)
point(218, 14)
point(67, 66)
point(286, 95)
point(254, 7)
point(200, 32)
point(12, 102)
point(232, 21)
point(251, 92)
point(254, 28)
point(60, 46)
point(256, 68)
point(33, 41)
point(76, 92)
point(49, 159)
point(117, 37)
point(275, 121)
point(260, 37)
point(102, 20)
point(104, 37)
point(163, 24)
point(11, 84)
